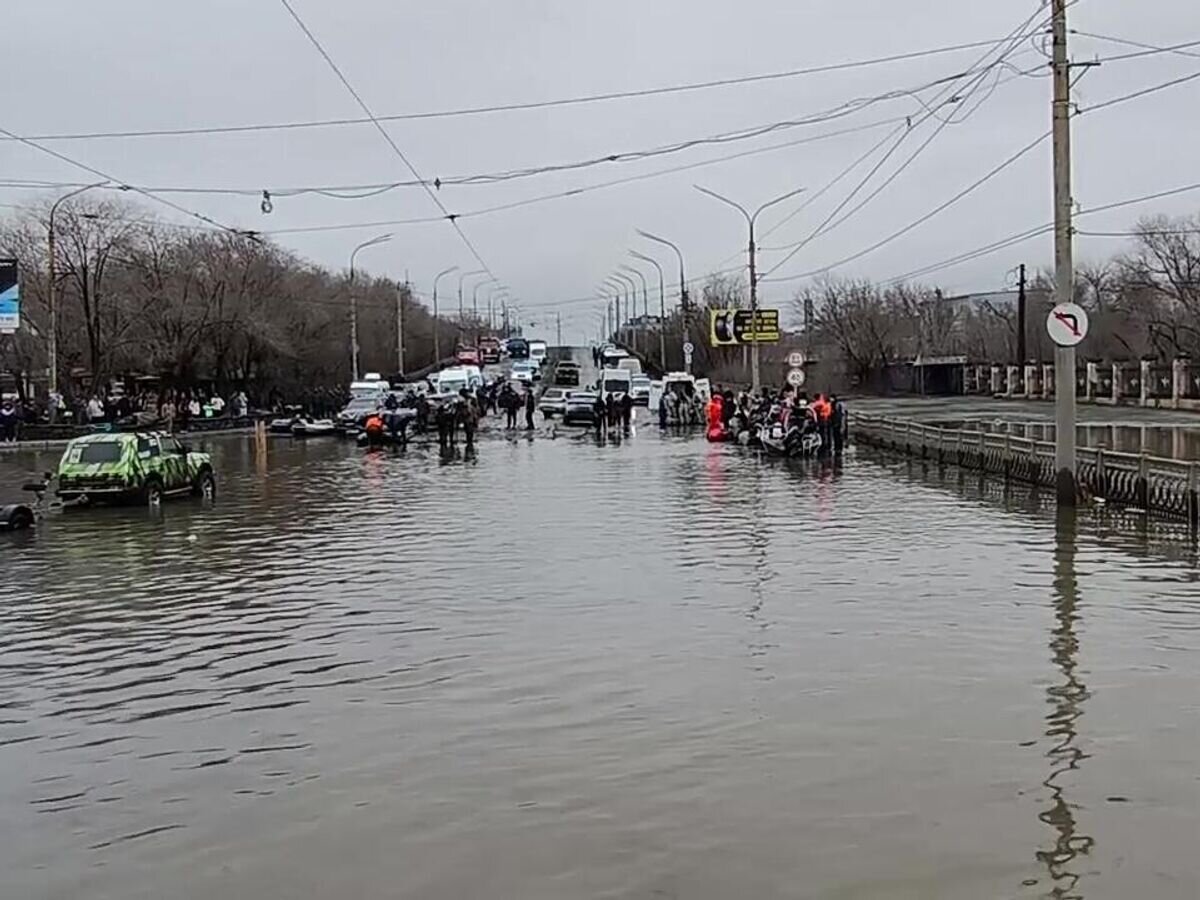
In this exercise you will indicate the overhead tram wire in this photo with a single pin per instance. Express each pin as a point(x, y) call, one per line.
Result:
point(1030, 233)
point(519, 106)
point(586, 189)
point(384, 134)
point(1107, 104)
point(362, 191)
point(62, 157)
point(1006, 48)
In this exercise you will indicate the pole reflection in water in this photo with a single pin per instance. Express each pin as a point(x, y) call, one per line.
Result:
point(1066, 699)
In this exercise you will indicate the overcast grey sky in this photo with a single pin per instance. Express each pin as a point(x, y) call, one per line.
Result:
point(145, 64)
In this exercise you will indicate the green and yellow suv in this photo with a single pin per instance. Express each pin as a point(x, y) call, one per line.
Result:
point(140, 466)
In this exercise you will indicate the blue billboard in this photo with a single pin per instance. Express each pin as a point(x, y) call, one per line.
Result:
point(10, 296)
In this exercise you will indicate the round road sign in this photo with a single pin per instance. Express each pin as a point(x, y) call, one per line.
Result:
point(796, 378)
point(689, 348)
point(796, 359)
point(1067, 324)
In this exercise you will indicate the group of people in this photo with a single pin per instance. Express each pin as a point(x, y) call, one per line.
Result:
point(743, 417)
point(612, 412)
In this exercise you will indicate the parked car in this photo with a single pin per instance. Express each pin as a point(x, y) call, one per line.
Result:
point(553, 402)
point(489, 350)
point(143, 466)
point(639, 390)
point(578, 408)
point(354, 413)
point(526, 371)
point(567, 373)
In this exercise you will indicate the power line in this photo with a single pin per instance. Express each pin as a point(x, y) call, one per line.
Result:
point(1030, 233)
point(586, 189)
point(1015, 38)
point(387, 137)
point(145, 193)
point(972, 187)
point(518, 106)
point(361, 191)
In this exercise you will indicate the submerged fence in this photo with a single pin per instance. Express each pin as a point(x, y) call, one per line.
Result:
point(1158, 486)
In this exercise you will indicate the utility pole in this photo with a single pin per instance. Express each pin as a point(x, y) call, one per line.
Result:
point(1064, 261)
point(400, 292)
point(1021, 312)
point(558, 327)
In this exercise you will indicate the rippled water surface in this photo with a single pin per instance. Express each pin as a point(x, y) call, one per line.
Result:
point(654, 669)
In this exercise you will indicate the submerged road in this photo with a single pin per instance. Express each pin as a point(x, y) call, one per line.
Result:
point(658, 668)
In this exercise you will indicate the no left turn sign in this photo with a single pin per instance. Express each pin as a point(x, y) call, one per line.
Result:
point(1067, 324)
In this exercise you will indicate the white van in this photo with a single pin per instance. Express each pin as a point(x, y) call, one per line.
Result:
point(630, 364)
point(372, 387)
point(615, 381)
point(537, 352)
point(455, 378)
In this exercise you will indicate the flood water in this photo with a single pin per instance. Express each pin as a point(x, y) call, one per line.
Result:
point(648, 670)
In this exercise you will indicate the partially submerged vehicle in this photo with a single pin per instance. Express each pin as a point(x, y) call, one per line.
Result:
point(143, 466)
point(684, 397)
point(23, 516)
point(307, 426)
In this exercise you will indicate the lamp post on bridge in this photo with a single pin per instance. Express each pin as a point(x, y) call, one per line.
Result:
point(751, 218)
point(662, 307)
point(437, 346)
point(378, 239)
point(684, 310)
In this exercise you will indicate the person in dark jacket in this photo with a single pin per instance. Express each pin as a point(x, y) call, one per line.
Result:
point(530, 407)
point(626, 411)
point(837, 424)
point(612, 410)
point(600, 414)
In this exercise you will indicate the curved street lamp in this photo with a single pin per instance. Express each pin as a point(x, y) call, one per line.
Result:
point(437, 346)
point(751, 218)
point(685, 315)
point(461, 278)
point(378, 239)
point(51, 293)
point(645, 296)
point(662, 306)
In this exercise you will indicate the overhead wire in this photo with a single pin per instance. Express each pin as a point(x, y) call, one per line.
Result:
point(981, 181)
point(62, 157)
point(1030, 233)
point(520, 105)
point(1006, 47)
point(385, 135)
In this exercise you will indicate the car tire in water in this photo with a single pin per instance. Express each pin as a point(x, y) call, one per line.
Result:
point(205, 486)
point(152, 493)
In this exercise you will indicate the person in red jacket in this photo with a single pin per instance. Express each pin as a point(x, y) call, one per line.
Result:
point(716, 418)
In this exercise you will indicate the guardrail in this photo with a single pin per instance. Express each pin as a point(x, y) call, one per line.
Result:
point(1153, 484)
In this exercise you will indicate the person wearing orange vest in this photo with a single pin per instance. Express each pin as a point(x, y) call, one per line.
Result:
point(823, 410)
point(716, 418)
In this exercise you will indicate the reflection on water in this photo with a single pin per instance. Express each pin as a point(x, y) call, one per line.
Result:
point(1169, 441)
point(1066, 699)
point(565, 669)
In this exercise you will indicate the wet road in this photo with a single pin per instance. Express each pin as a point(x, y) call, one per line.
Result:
point(649, 669)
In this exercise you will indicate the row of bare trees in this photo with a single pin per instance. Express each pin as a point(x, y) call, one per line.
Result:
point(136, 296)
point(1144, 302)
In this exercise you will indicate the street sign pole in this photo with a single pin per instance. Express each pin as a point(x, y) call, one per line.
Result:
point(1064, 262)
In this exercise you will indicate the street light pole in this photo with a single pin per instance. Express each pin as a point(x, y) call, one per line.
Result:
point(685, 312)
point(461, 278)
point(629, 287)
point(645, 298)
point(437, 345)
point(51, 294)
point(751, 218)
point(379, 239)
point(662, 307)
